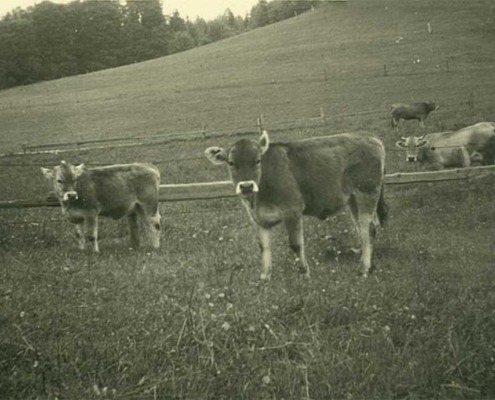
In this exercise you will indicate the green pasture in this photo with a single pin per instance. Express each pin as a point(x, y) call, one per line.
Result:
point(192, 320)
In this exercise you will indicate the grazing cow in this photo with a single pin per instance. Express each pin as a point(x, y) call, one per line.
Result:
point(417, 111)
point(281, 182)
point(113, 191)
point(472, 145)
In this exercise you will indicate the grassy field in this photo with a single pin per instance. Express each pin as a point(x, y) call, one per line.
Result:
point(192, 320)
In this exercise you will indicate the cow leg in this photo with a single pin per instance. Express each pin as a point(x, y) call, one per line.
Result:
point(266, 254)
point(92, 232)
point(134, 229)
point(296, 243)
point(153, 222)
point(366, 208)
point(422, 124)
point(353, 207)
point(365, 229)
point(79, 228)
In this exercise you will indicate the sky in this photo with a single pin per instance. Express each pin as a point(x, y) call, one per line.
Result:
point(207, 9)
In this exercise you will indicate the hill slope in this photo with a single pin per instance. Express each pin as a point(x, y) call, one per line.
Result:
point(332, 58)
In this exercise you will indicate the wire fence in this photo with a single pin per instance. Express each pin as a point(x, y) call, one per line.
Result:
point(158, 139)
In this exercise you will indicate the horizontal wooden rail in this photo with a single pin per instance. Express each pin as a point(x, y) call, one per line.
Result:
point(225, 189)
point(168, 193)
point(400, 178)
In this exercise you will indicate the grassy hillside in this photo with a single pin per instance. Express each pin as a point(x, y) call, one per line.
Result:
point(278, 71)
point(192, 320)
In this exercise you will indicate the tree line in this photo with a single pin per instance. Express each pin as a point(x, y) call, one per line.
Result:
point(50, 41)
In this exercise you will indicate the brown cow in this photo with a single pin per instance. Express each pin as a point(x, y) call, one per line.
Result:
point(281, 182)
point(113, 191)
point(472, 145)
point(417, 111)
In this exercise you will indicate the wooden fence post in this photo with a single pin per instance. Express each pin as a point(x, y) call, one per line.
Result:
point(325, 73)
point(260, 124)
point(385, 72)
point(447, 65)
point(203, 131)
point(322, 116)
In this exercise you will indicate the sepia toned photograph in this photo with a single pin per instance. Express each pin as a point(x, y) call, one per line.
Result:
point(247, 199)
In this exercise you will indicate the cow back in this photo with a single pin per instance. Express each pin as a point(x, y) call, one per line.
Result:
point(113, 191)
point(319, 174)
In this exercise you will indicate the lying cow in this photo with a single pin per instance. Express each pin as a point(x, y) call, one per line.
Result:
point(472, 145)
point(281, 182)
point(417, 111)
point(114, 191)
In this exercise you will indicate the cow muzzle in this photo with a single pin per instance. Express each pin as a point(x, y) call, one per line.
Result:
point(70, 196)
point(411, 159)
point(246, 187)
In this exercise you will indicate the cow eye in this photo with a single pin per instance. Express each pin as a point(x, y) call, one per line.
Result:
point(60, 181)
point(258, 162)
point(231, 163)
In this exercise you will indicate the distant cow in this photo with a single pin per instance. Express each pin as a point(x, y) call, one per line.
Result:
point(281, 182)
point(472, 145)
point(417, 111)
point(114, 191)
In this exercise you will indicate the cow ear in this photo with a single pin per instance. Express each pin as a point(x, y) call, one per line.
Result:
point(47, 173)
point(78, 170)
point(264, 142)
point(422, 142)
point(217, 155)
point(400, 144)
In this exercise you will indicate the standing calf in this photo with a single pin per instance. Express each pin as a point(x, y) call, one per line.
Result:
point(114, 191)
point(281, 182)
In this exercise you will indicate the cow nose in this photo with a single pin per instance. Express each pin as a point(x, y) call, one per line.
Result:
point(68, 196)
point(246, 187)
point(411, 158)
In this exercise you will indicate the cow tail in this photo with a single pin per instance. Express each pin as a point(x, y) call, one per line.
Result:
point(382, 207)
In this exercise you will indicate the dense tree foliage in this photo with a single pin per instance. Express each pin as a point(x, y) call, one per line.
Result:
point(50, 41)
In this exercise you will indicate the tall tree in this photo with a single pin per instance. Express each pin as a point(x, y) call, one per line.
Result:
point(145, 30)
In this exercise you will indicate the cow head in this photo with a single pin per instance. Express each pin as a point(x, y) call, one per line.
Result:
point(412, 145)
point(243, 159)
point(64, 179)
point(432, 106)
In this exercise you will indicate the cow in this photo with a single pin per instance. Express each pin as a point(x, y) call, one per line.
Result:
point(112, 191)
point(281, 182)
point(472, 145)
point(417, 111)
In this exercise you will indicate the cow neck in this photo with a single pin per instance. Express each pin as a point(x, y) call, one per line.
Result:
point(85, 191)
point(251, 205)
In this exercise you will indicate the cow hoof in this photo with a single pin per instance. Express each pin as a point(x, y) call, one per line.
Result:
point(265, 277)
